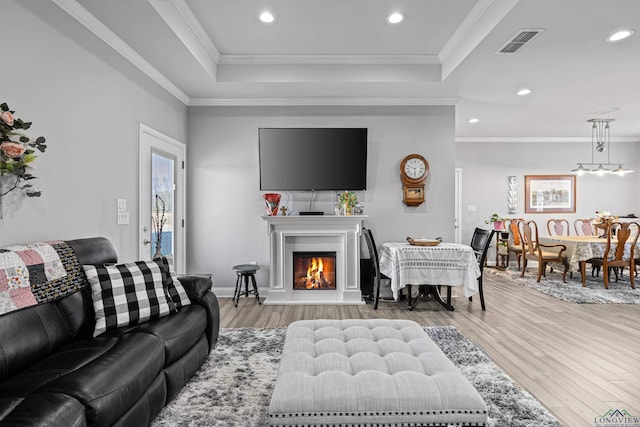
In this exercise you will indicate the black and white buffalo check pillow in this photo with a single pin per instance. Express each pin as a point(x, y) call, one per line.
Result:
point(127, 294)
point(176, 294)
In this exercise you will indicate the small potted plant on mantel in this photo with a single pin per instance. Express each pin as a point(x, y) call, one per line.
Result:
point(498, 223)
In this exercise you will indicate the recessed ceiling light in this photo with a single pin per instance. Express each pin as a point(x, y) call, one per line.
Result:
point(621, 35)
point(524, 91)
point(474, 120)
point(266, 17)
point(396, 17)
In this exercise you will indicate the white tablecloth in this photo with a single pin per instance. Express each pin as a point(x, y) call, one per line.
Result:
point(448, 264)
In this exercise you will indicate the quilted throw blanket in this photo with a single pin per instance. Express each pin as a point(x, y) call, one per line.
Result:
point(37, 273)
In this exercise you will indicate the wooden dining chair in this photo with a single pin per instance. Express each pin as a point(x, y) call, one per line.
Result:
point(584, 227)
point(514, 244)
point(558, 227)
point(625, 232)
point(378, 278)
point(480, 242)
point(534, 250)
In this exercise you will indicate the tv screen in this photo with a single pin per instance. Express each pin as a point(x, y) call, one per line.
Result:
point(303, 159)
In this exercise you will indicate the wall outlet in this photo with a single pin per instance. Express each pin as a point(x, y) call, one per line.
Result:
point(471, 208)
point(122, 205)
point(123, 218)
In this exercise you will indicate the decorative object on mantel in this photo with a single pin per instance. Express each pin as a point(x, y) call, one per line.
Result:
point(600, 142)
point(17, 155)
point(512, 199)
point(424, 242)
point(496, 221)
point(347, 201)
point(158, 220)
point(271, 203)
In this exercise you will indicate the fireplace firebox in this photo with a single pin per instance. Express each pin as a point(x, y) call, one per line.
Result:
point(314, 270)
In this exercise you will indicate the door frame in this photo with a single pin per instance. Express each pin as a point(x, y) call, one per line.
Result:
point(163, 144)
point(457, 221)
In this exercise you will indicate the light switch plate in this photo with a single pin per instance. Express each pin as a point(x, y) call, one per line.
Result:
point(122, 205)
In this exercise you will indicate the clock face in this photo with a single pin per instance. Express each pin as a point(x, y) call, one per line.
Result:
point(415, 168)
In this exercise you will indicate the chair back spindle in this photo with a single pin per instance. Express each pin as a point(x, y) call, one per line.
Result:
point(625, 233)
point(558, 227)
point(584, 227)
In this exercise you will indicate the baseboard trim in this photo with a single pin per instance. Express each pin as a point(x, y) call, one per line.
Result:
point(227, 292)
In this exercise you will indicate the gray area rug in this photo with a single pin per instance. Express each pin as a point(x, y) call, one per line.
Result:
point(594, 293)
point(233, 387)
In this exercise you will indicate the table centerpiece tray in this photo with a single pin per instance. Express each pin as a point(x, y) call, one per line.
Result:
point(424, 242)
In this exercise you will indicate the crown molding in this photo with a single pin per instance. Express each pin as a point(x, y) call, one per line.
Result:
point(84, 17)
point(266, 102)
point(330, 59)
point(542, 139)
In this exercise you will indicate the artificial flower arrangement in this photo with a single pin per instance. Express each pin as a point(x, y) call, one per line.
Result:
point(17, 152)
point(605, 217)
point(348, 198)
point(347, 201)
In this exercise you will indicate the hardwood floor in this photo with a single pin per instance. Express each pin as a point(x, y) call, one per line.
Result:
point(579, 360)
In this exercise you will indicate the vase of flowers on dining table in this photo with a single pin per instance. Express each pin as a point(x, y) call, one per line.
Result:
point(604, 219)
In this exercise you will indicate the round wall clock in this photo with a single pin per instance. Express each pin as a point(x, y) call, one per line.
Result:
point(414, 170)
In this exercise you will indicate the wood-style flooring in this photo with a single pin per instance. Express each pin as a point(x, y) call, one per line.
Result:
point(578, 360)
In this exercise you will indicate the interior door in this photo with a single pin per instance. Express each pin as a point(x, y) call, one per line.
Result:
point(162, 197)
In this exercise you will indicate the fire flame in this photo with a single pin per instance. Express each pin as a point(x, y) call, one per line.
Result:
point(315, 273)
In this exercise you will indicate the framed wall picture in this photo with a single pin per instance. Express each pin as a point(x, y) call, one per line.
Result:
point(550, 193)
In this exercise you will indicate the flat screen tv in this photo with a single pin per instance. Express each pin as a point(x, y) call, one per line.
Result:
point(305, 159)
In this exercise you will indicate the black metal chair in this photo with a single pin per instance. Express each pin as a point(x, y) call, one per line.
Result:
point(480, 242)
point(378, 278)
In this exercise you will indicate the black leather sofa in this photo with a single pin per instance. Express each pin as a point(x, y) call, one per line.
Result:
point(54, 373)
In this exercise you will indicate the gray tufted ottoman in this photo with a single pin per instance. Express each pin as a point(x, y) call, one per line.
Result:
point(369, 373)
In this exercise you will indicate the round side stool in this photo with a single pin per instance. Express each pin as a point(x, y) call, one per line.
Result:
point(246, 271)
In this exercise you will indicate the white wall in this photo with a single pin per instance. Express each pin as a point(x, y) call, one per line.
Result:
point(89, 114)
point(225, 204)
point(486, 166)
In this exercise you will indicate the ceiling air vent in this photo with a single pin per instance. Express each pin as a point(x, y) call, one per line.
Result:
point(520, 40)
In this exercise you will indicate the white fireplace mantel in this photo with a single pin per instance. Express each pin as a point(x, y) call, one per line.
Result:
point(340, 234)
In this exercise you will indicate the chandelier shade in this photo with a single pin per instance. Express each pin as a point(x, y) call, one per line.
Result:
point(600, 143)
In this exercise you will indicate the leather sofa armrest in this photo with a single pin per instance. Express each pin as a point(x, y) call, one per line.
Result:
point(198, 290)
point(210, 303)
point(195, 286)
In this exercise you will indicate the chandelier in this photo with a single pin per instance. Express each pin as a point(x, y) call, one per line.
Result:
point(600, 142)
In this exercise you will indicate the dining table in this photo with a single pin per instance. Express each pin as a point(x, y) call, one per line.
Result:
point(429, 267)
point(580, 249)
